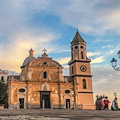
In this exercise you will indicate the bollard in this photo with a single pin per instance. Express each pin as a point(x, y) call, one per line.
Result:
point(51, 105)
point(74, 105)
point(19, 105)
point(43, 104)
point(81, 106)
point(68, 105)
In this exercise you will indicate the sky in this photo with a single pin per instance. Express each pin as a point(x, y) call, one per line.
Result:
point(52, 24)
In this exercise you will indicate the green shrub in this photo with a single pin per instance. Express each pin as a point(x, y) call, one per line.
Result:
point(3, 93)
point(100, 96)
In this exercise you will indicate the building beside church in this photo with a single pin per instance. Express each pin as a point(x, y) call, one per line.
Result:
point(41, 81)
point(3, 75)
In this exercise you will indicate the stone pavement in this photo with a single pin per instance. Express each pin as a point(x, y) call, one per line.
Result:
point(58, 114)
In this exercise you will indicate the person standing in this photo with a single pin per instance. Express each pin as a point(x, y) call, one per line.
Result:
point(106, 103)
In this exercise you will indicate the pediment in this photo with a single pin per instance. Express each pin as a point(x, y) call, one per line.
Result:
point(45, 63)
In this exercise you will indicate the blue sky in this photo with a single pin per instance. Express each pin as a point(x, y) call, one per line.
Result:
point(52, 24)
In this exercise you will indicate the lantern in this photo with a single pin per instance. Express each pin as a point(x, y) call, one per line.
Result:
point(114, 62)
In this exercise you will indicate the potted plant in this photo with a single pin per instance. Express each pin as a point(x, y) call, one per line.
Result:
point(99, 102)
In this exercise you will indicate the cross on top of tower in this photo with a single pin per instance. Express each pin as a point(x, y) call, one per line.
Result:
point(44, 50)
point(77, 27)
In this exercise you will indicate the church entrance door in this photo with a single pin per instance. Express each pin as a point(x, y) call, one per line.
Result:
point(67, 103)
point(45, 95)
point(21, 101)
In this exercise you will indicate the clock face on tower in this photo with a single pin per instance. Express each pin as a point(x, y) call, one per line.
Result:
point(83, 68)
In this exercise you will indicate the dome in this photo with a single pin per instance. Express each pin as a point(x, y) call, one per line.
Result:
point(26, 61)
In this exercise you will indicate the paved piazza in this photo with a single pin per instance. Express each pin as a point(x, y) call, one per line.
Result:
point(58, 114)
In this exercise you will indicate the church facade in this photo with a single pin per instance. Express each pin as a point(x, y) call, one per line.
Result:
point(42, 84)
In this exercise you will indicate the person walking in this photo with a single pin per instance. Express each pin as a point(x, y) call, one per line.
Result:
point(106, 103)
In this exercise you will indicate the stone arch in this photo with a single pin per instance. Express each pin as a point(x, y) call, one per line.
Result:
point(45, 87)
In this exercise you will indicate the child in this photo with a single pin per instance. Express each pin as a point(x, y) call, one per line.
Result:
point(106, 103)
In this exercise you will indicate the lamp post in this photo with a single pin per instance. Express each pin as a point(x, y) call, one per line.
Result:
point(115, 94)
point(114, 63)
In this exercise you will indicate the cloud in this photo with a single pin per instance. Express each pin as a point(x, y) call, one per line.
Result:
point(105, 80)
point(96, 19)
point(66, 71)
point(64, 60)
point(97, 60)
point(89, 54)
point(110, 52)
point(99, 17)
point(108, 46)
point(19, 46)
point(102, 40)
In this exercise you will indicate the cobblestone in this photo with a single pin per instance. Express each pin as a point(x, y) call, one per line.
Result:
point(58, 114)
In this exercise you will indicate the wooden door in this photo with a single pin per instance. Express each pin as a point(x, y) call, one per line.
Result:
point(67, 103)
point(46, 97)
point(21, 101)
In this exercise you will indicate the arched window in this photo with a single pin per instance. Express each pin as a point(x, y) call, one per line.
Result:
point(45, 74)
point(82, 55)
point(72, 55)
point(2, 78)
point(84, 84)
point(72, 70)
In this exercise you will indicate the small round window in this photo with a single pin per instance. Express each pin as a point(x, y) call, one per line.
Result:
point(45, 63)
point(76, 47)
point(21, 90)
point(67, 91)
point(81, 47)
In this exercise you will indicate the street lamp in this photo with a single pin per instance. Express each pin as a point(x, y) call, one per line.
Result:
point(119, 54)
point(115, 94)
point(114, 63)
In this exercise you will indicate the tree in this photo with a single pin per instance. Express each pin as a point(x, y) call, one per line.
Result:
point(3, 93)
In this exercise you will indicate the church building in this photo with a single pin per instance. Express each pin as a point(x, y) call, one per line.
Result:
point(41, 83)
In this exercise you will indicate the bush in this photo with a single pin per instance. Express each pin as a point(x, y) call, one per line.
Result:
point(3, 93)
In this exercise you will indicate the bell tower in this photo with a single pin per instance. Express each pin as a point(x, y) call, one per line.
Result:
point(80, 72)
point(78, 48)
